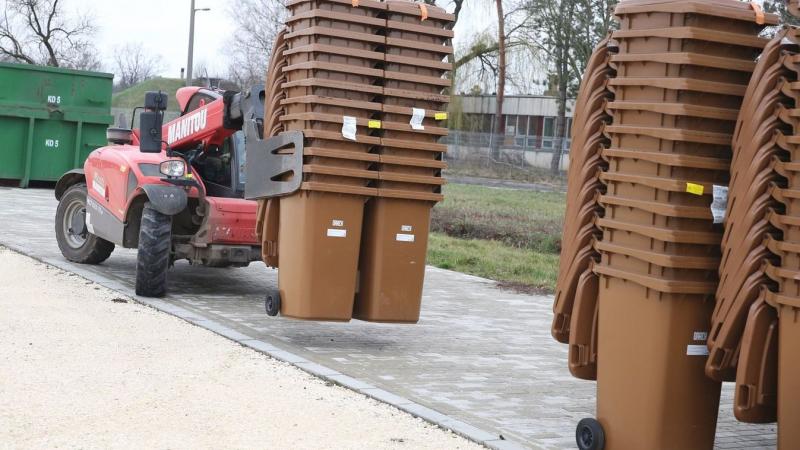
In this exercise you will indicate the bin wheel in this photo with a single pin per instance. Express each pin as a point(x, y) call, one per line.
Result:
point(273, 303)
point(590, 435)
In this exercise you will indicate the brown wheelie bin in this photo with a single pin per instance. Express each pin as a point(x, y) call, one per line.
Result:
point(788, 369)
point(750, 200)
point(682, 70)
point(583, 189)
point(583, 348)
point(329, 79)
point(651, 388)
point(409, 168)
point(755, 397)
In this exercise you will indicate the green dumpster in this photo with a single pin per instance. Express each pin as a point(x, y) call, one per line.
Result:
point(50, 119)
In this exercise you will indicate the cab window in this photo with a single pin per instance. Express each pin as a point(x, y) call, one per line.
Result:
point(197, 101)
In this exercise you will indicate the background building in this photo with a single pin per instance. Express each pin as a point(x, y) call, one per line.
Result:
point(530, 130)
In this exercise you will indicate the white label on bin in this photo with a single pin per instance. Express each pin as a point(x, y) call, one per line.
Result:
point(406, 228)
point(337, 223)
point(701, 336)
point(417, 114)
point(405, 237)
point(720, 203)
point(696, 350)
point(333, 232)
point(349, 127)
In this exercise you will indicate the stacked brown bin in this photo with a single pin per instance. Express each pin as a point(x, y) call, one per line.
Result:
point(345, 78)
point(786, 273)
point(334, 58)
point(682, 70)
point(738, 349)
point(575, 306)
point(409, 169)
point(268, 215)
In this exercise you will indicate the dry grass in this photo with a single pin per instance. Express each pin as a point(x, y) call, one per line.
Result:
point(511, 236)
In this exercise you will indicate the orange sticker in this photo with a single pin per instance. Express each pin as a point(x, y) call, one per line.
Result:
point(760, 19)
point(423, 8)
point(355, 3)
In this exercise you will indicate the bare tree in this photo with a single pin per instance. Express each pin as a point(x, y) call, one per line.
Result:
point(785, 9)
point(133, 65)
point(499, 121)
point(478, 59)
point(565, 32)
point(257, 23)
point(39, 32)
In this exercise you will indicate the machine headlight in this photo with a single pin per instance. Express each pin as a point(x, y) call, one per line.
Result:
point(173, 168)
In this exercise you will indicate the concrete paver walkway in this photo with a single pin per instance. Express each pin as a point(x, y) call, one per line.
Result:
point(479, 354)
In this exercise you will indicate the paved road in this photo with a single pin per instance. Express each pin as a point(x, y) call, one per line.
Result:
point(479, 354)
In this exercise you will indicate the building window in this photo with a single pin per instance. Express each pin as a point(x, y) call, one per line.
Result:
point(549, 126)
point(549, 132)
point(511, 125)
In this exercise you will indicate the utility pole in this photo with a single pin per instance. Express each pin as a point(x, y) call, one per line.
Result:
point(191, 42)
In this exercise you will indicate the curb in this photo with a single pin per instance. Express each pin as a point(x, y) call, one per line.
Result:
point(432, 416)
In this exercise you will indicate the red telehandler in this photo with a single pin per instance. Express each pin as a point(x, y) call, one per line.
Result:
point(173, 191)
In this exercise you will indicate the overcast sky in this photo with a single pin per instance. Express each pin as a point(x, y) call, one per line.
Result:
point(162, 27)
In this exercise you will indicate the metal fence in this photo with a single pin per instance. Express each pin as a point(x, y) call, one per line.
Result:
point(531, 153)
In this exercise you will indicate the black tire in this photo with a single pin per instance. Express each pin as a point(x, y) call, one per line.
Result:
point(78, 245)
point(272, 303)
point(152, 260)
point(590, 435)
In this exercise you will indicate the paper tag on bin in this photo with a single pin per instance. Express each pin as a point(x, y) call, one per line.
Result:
point(417, 115)
point(720, 203)
point(349, 127)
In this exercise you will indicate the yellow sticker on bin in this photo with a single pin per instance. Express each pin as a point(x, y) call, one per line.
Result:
point(440, 116)
point(374, 124)
point(696, 189)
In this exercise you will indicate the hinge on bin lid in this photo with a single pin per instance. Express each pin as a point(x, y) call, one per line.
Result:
point(274, 166)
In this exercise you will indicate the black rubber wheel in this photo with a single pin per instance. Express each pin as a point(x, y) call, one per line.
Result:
point(273, 303)
point(152, 261)
point(75, 241)
point(590, 435)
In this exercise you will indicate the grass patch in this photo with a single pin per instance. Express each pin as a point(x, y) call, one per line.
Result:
point(522, 219)
point(511, 236)
point(134, 95)
point(518, 268)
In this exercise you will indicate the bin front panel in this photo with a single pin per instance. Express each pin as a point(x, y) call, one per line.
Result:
point(13, 139)
point(53, 149)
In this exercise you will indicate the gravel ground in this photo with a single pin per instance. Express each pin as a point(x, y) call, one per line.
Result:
point(82, 366)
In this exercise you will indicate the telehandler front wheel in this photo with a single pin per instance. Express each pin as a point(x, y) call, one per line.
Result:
point(155, 245)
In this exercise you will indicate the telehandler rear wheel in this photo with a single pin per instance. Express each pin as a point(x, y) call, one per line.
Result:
point(75, 241)
point(152, 261)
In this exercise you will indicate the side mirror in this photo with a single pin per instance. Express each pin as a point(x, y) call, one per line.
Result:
point(151, 121)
